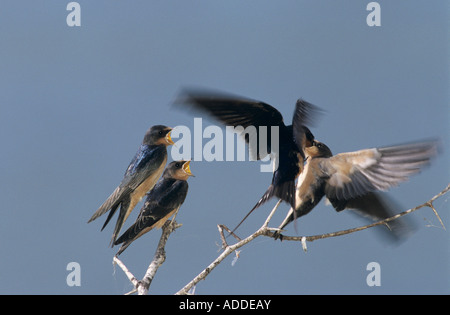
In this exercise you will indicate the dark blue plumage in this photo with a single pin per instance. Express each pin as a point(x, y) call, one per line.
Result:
point(141, 175)
point(162, 202)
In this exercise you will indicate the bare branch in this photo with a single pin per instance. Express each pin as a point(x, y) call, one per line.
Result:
point(267, 231)
point(142, 286)
point(344, 232)
point(130, 276)
point(228, 250)
point(437, 215)
point(223, 237)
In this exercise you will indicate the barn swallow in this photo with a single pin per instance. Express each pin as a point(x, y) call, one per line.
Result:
point(164, 200)
point(140, 176)
point(238, 111)
point(353, 180)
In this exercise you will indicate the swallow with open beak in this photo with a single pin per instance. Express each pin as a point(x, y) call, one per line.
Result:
point(238, 111)
point(140, 176)
point(353, 180)
point(163, 201)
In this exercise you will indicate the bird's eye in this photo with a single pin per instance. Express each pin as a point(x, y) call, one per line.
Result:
point(177, 165)
point(319, 145)
point(160, 132)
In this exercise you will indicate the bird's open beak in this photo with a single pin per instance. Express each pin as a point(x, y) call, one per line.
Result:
point(169, 138)
point(187, 169)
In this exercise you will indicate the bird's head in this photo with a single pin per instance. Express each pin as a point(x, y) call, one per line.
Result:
point(318, 149)
point(178, 170)
point(158, 135)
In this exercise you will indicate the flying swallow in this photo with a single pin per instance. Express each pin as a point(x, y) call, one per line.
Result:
point(353, 180)
point(140, 176)
point(164, 200)
point(238, 111)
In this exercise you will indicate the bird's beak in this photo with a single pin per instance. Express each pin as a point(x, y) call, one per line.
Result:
point(187, 169)
point(169, 138)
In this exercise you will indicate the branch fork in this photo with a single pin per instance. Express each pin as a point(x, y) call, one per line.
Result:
point(142, 286)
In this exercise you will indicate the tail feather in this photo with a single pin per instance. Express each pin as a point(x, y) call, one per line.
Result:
point(285, 192)
point(112, 201)
point(123, 247)
point(140, 227)
point(126, 239)
point(110, 215)
point(120, 220)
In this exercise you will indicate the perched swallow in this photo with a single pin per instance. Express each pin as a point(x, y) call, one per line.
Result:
point(162, 202)
point(140, 176)
point(238, 111)
point(352, 180)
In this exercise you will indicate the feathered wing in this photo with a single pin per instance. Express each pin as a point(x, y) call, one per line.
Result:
point(356, 173)
point(161, 203)
point(112, 202)
point(376, 206)
point(137, 172)
point(141, 175)
point(283, 182)
point(143, 225)
point(305, 115)
point(232, 110)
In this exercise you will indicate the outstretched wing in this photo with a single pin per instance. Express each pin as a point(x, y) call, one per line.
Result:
point(232, 110)
point(356, 173)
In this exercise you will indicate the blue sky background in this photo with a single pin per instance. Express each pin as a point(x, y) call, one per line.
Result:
point(75, 103)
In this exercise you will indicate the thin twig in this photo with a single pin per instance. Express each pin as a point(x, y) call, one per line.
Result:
point(131, 292)
point(142, 286)
point(348, 231)
point(267, 231)
point(228, 250)
point(430, 204)
point(222, 227)
point(129, 275)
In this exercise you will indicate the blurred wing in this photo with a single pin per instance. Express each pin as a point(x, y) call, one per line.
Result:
point(376, 206)
point(355, 173)
point(235, 111)
point(305, 114)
